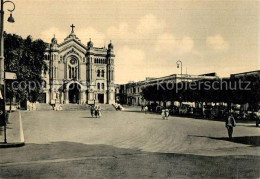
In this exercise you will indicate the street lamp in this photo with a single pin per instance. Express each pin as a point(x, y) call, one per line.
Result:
point(179, 63)
point(2, 64)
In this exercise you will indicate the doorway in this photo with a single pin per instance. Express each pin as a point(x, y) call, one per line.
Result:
point(100, 98)
point(74, 91)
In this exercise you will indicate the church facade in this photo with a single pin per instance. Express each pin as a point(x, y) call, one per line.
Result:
point(78, 73)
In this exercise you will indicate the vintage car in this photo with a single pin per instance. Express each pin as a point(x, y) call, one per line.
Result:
point(184, 109)
point(207, 111)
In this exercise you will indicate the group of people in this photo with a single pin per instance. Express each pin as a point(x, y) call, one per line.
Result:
point(165, 114)
point(95, 110)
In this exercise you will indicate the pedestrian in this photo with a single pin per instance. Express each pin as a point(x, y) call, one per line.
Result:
point(145, 109)
point(230, 123)
point(96, 111)
point(163, 114)
point(92, 110)
point(99, 111)
point(167, 113)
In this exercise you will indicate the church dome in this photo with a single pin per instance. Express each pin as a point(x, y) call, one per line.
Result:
point(110, 46)
point(90, 44)
point(54, 40)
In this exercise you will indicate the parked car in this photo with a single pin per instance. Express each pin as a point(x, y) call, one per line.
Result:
point(174, 110)
point(207, 111)
point(197, 111)
point(184, 109)
point(218, 112)
point(159, 109)
point(152, 107)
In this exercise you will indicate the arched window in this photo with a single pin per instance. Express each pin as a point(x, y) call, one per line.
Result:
point(98, 73)
point(95, 60)
point(48, 57)
point(103, 86)
point(69, 72)
point(102, 73)
point(98, 86)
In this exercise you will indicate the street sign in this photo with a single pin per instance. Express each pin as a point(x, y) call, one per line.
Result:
point(10, 76)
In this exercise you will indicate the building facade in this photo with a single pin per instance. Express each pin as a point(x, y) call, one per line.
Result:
point(131, 93)
point(78, 73)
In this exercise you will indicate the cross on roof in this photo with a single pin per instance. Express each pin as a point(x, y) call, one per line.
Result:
point(72, 28)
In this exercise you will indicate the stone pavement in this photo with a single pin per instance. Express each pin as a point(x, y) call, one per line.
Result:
point(14, 132)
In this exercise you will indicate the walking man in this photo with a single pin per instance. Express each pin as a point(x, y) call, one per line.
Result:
point(92, 110)
point(230, 123)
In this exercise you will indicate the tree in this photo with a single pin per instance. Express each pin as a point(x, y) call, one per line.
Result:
point(25, 57)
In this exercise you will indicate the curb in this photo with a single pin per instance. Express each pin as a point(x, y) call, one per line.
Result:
point(15, 144)
point(10, 145)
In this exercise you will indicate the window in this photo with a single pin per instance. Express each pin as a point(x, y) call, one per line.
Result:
point(98, 86)
point(69, 72)
point(102, 73)
point(103, 86)
point(98, 73)
point(61, 58)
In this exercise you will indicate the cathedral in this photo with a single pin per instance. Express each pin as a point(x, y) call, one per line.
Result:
point(78, 73)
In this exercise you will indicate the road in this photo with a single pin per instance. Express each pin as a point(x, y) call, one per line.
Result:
point(130, 144)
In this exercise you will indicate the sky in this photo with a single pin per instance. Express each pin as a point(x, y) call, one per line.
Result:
point(150, 36)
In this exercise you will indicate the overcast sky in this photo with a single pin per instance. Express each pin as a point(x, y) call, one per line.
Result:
point(149, 36)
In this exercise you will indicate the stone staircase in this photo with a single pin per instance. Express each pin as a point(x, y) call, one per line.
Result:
point(107, 107)
point(74, 107)
point(43, 107)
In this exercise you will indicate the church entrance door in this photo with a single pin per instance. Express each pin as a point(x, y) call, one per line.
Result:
point(74, 92)
point(100, 98)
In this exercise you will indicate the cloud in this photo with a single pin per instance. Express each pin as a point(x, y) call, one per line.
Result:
point(85, 34)
point(217, 42)
point(150, 24)
point(121, 32)
point(130, 64)
point(166, 42)
point(48, 34)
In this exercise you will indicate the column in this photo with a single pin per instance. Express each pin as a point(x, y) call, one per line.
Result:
point(66, 94)
point(82, 97)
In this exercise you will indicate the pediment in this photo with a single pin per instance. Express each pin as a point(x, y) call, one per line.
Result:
point(72, 44)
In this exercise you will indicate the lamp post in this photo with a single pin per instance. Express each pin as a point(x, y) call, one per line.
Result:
point(179, 63)
point(2, 64)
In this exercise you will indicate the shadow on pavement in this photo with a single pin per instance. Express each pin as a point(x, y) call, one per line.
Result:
point(247, 140)
point(77, 160)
